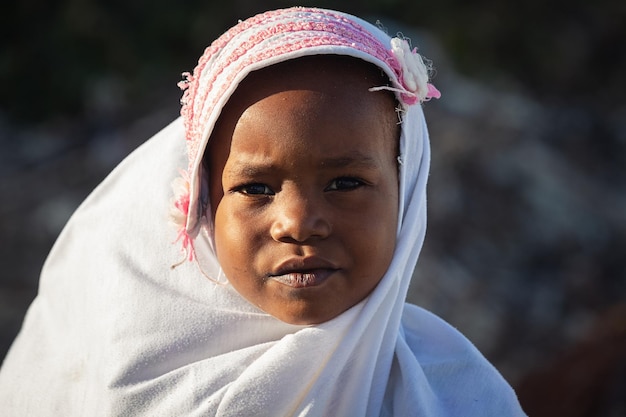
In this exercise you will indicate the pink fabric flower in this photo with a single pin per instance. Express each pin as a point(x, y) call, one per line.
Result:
point(179, 212)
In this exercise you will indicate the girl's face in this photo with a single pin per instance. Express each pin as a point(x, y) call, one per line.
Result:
point(304, 187)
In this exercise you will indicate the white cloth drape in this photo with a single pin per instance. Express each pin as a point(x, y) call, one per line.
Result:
point(114, 331)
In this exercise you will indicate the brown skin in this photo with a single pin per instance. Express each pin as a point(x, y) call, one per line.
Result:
point(304, 187)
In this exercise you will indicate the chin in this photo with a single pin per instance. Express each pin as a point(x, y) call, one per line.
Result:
point(307, 316)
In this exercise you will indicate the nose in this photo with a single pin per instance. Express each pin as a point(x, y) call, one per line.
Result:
point(299, 217)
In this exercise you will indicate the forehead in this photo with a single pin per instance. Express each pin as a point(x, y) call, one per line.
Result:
point(342, 82)
point(345, 75)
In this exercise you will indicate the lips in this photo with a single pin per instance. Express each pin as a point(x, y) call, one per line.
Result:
point(303, 272)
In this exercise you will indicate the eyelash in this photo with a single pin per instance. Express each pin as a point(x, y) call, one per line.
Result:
point(247, 188)
point(355, 183)
point(259, 189)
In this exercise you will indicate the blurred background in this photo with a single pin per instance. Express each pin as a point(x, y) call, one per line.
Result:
point(527, 205)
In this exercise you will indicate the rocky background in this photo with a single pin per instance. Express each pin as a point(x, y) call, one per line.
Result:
point(527, 227)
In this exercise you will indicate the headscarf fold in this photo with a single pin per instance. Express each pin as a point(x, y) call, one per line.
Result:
point(116, 331)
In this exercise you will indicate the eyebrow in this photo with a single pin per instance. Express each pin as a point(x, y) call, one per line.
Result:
point(354, 160)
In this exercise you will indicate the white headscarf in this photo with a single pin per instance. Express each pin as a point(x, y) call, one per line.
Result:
point(117, 331)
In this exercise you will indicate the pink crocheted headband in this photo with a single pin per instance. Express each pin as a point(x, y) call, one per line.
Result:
point(264, 40)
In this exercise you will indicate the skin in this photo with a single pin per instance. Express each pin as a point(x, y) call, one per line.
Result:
point(303, 186)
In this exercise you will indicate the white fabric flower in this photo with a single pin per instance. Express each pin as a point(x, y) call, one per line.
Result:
point(413, 73)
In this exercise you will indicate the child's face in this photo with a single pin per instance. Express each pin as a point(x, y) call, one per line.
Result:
point(304, 188)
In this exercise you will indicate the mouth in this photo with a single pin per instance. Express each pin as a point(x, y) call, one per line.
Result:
point(304, 279)
point(303, 272)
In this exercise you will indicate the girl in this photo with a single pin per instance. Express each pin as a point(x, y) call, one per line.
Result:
point(301, 214)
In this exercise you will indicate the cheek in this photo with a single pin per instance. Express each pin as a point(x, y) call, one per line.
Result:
point(237, 239)
point(385, 238)
point(227, 236)
point(381, 253)
point(387, 220)
point(372, 235)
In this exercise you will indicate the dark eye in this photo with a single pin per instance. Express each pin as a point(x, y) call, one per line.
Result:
point(255, 189)
point(344, 184)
